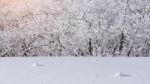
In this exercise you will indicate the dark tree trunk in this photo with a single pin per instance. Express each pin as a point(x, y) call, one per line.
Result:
point(90, 47)
point(129, 52)
point(122, 38)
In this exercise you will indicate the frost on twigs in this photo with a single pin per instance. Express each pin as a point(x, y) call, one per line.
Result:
point(106, 28)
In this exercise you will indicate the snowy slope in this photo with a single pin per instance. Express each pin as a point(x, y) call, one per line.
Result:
point(74, 70)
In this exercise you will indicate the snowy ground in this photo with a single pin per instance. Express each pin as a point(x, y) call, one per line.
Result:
point(69, 70)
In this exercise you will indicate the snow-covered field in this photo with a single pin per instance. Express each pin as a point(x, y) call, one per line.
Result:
point(69, 70)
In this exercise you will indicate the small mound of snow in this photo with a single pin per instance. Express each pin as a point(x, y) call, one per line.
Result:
point(120, 74)
point(36, 64)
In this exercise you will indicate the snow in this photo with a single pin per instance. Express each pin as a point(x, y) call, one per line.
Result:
point(36, 64)
point(71, 70)
point(120, 74)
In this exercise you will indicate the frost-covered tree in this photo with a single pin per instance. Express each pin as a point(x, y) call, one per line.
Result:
point(75, 28)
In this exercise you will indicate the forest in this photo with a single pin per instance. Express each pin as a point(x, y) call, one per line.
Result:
point(106, 28)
